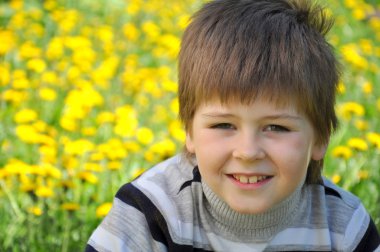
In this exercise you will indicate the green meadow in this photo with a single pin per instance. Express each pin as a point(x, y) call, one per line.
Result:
point(88, 102)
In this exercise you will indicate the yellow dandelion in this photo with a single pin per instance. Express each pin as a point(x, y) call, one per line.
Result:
point(103, 209)
point(341, 88)
point(177, 131)
point(67, 184)
point(44, 192)
point(105, 117)
point(14, 96)
point(35, 210)
point(79, 147)
point(138, 172)
point(361, 125)
point(336, 178)
point(367, 88)
point(132, 146)
point(114, 165)
point(97, 156)
point(70, 206)
point(349, 109)
point(358, 144)
point(130, 32)
point(174, 106)
point(144, 135)
point(374, 138)
point(37, 65)
point(89, 131)
point(88, 177)
point(52, 171)
point(366, 46)
point(342, 152)
point(359, 14)
point(7, 42)
point(183, 21)
point(49, 77)
point(68, 123)
point(151, 29)
point(352, 55)
point(27, 134)
point(25, 116)
point(47, 94)
point(95, 167)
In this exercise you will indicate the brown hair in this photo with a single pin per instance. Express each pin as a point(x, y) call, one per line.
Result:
point(243, 49)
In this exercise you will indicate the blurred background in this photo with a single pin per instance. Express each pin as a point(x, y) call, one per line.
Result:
point(88, 102)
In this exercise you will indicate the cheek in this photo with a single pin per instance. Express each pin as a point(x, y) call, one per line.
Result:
point(294, 156)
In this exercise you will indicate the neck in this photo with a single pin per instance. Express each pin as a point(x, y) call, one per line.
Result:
point(258, 227)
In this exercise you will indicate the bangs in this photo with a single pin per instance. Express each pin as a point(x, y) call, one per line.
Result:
point(247, 50)
point(238, 58)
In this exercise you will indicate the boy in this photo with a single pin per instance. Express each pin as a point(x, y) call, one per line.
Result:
point(257, 87)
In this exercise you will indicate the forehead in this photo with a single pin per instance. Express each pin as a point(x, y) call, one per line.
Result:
point(279, 104)
point(257, 108)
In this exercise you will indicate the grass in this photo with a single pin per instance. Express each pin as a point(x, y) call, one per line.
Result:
point(79, 83)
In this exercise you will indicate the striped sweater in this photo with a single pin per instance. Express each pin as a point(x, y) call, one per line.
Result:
point(168, 208)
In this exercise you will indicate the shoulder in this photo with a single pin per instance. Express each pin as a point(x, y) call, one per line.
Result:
point(151, 213)
point(159, 186)
point(161, 182)
point(349, 223)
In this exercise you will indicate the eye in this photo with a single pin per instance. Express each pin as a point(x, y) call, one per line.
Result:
point(277, 128)
point(223, 126)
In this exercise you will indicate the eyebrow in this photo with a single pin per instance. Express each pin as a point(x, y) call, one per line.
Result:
point(270, 117)
point(218, 114)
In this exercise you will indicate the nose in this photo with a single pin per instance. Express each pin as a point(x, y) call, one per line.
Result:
point(248, 147)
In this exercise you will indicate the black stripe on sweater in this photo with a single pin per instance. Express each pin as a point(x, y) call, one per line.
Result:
point(332, 192)
point(132, 196)
point(90, 248)
point(371, 239)
point(196, 178)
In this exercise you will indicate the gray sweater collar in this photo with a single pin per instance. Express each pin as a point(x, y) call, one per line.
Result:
point(254, 227)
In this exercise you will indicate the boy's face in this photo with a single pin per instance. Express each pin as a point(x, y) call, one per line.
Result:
point(252, 156)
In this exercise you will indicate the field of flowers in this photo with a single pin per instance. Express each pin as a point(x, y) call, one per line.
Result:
point(88, 102)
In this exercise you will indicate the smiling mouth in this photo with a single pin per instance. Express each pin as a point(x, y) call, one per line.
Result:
point(250, 179)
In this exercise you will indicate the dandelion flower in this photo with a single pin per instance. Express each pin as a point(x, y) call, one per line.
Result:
point(336, 178)
point(138, 172)
point(144, 135)
point(27, 134)
point(361, 124)
point(44, 192)
point(70, 206)
point(37, 211)
point(358, 144)
point(114, 165)
point(341, 88)
point(25, 116)
point(103, 209)
point(342, 152)
point(349, 109)
point(367, 88)
point(374, 138)
point(88, 177)
point(47, 94)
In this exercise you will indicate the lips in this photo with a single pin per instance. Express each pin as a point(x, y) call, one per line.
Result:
point(250, 179)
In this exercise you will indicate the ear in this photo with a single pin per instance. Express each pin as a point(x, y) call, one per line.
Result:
point(319, 151)
point(189, 144)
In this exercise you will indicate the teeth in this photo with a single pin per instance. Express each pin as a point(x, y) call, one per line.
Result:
point(249, 180)
point(244, 179)
point(253, 179)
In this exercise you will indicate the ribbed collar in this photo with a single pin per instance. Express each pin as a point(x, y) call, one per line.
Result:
point(252, 227)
